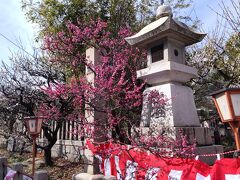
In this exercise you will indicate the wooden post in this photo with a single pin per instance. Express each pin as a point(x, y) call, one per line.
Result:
point(235, 128)
point(33, 153)
point(19, 169)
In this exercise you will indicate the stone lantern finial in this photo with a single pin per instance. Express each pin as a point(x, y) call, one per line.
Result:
point(163, 10)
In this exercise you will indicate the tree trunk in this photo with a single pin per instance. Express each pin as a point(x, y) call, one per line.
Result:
point(48, 156)
point(122, 137)
point(52, 139)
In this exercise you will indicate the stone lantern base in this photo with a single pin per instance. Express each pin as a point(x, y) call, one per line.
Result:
point(199, 135)
point(180, 116)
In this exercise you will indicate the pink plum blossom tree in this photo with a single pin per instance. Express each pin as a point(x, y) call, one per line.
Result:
point(115, 97)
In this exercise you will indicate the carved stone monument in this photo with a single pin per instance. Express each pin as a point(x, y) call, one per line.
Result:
point(165, 40)
point(11, 144)
point(93, 57)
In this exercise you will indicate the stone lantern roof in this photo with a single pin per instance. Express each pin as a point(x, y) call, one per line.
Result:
point(165, 26)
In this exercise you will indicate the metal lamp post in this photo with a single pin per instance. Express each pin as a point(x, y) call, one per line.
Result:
point(227, 102)
point(34, 126)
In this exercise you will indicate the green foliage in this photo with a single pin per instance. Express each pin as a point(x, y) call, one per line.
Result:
point(51, 15)
point(15, 159)
point(233, 48)
point(226, 61)
point(121, 13)
point(218, 64)
point(218, 60)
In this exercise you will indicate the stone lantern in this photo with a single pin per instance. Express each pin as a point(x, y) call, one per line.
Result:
point(165, 41)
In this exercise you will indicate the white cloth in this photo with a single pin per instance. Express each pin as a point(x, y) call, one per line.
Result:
point(10, 175)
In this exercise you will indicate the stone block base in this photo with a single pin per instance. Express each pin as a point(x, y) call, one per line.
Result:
point(202, 136)
point(85, 176)
point(91, 164)
point(214, 149)
point(199, 135)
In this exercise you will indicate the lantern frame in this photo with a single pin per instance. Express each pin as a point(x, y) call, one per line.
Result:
point(38, 124)
point(227, 92)
point(234, 119)
point(34, 134)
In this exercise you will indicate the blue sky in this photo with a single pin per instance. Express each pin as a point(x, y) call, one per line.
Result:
point(206, 12)
point(15, 26)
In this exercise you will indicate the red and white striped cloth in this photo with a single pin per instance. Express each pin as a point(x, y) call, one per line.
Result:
point(137, 165)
